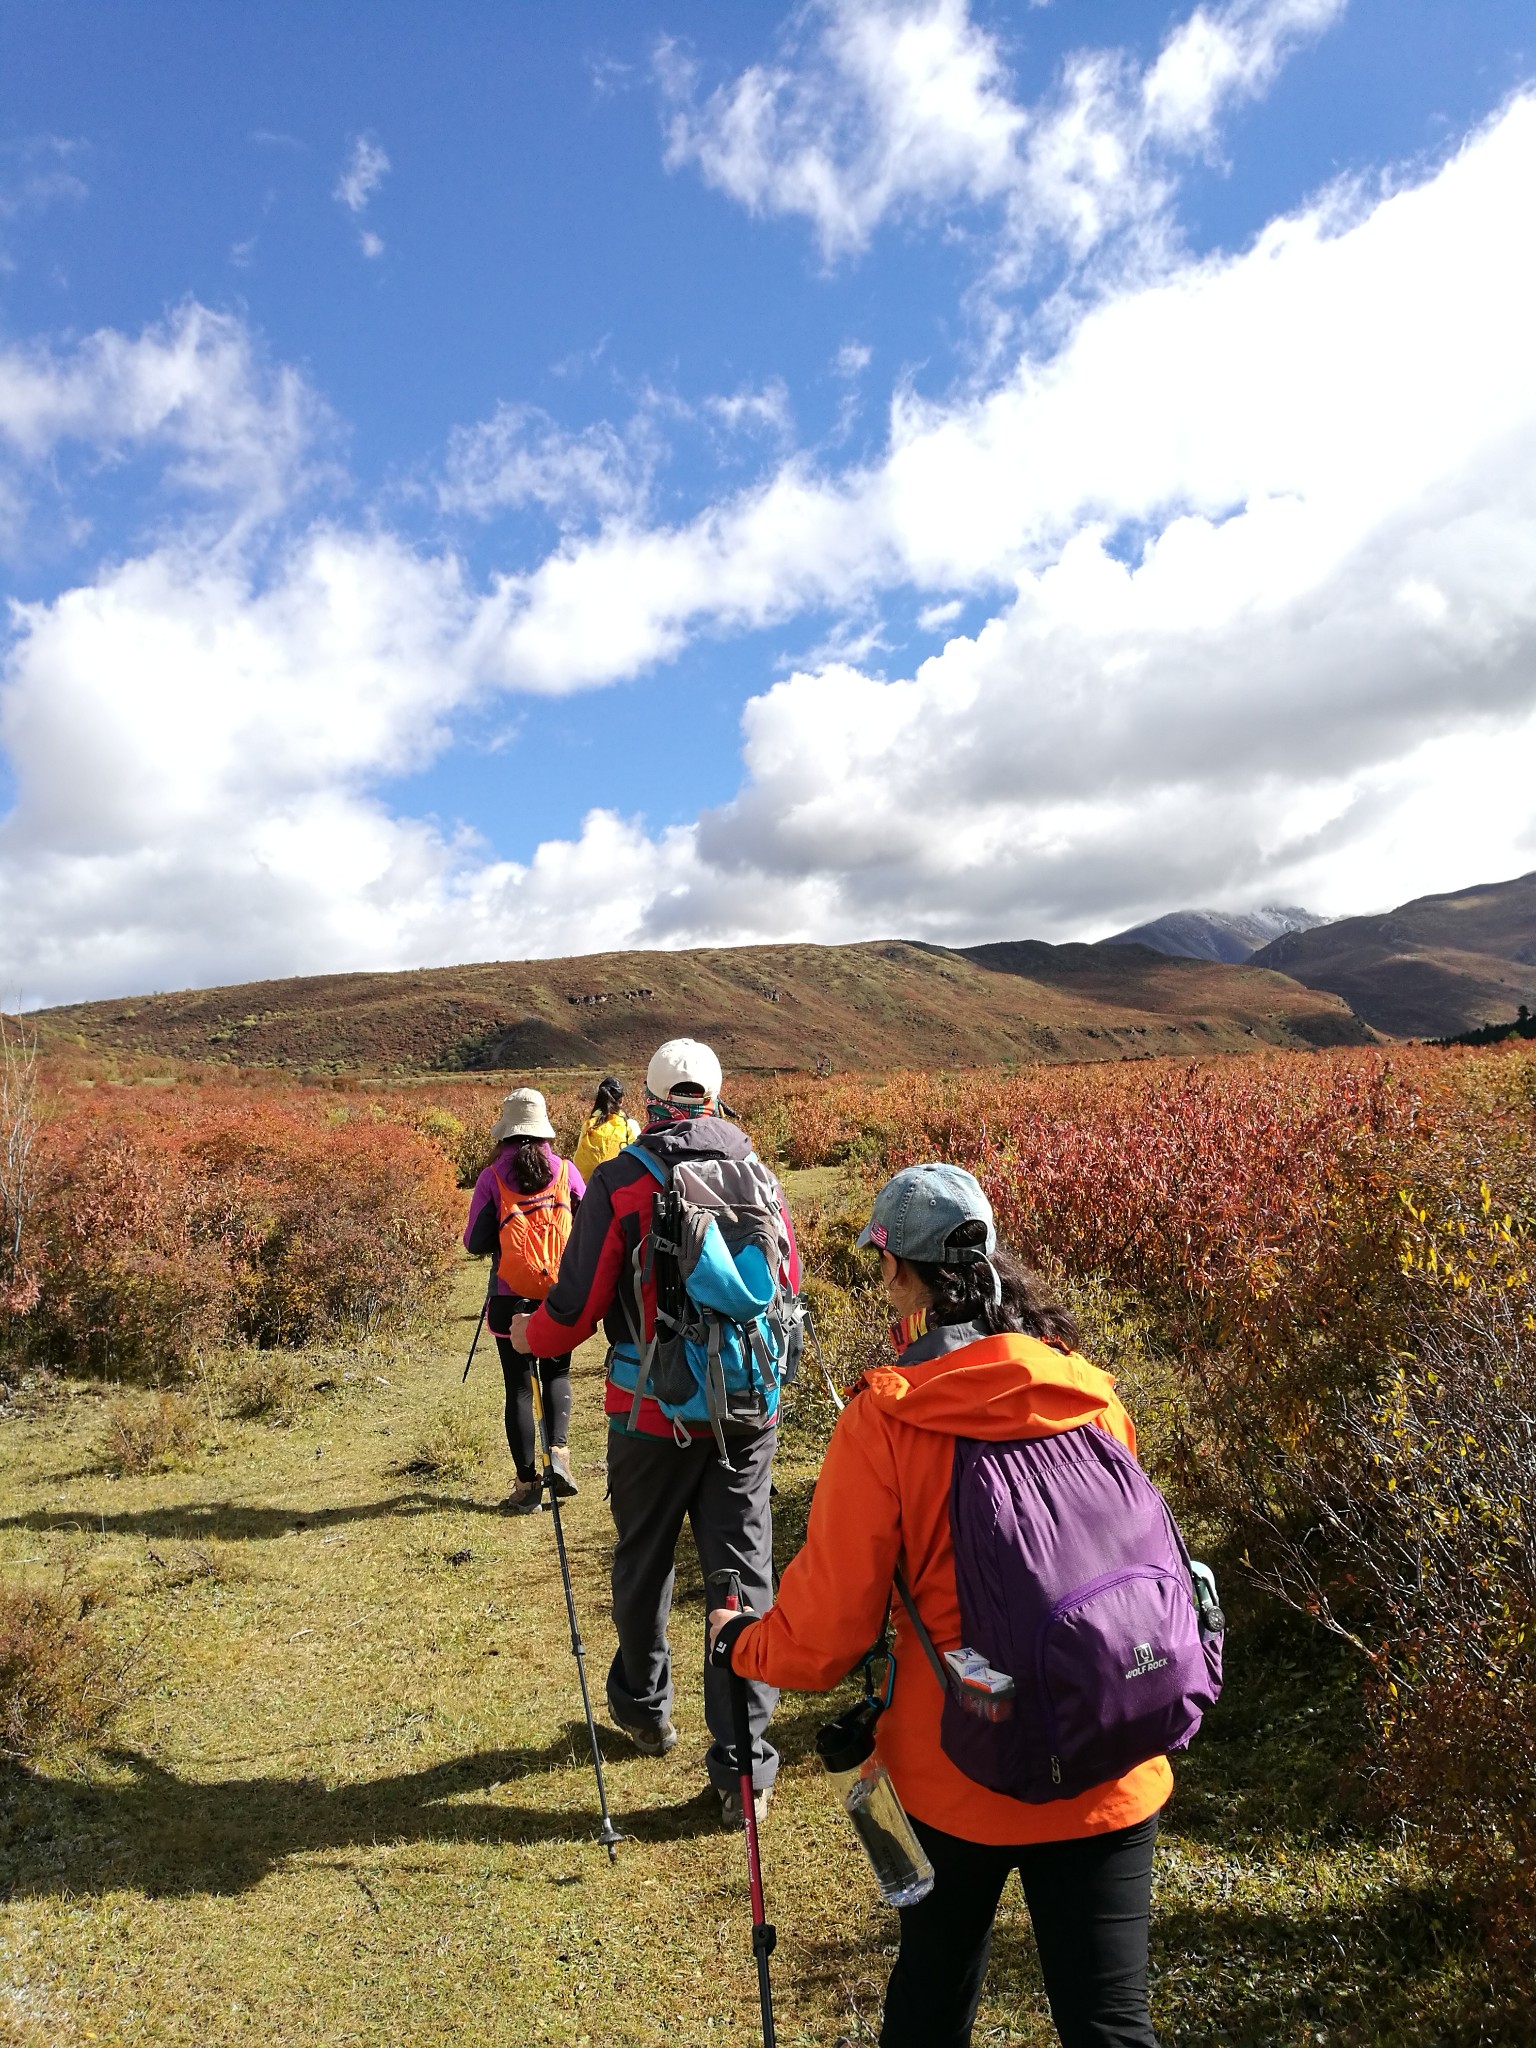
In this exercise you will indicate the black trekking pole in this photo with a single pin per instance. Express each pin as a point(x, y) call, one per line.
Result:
point(607, 1834)
point(724, 1590)
point(480, 1325)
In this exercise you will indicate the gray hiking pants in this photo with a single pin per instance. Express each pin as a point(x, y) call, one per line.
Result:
point(653, 1484)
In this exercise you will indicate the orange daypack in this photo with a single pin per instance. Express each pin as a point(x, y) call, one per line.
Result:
point(535, 1230)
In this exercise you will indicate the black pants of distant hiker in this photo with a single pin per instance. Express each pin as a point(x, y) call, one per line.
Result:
point(554, 1378)
point(654, 1485)
point(1089, 1902)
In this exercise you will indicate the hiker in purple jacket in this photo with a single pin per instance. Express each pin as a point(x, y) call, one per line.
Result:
point(525, 1174)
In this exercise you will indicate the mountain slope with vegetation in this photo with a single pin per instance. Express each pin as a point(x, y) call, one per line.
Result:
point(833, 1008)
point(1429, 969)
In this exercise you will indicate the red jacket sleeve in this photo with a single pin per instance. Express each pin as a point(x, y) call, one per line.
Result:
point(589, 1275)
point(832, 1597)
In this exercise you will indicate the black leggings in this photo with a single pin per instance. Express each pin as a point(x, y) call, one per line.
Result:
point(1089, 1901)
point(554, 1380)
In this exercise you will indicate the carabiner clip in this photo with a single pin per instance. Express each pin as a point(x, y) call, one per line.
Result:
point(882, 1696)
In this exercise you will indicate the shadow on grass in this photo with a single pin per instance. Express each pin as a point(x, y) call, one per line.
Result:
point(1405, 1972)
point(1398, 1968)
point(199, 1521)
point(1394, 1965)
point(167, 1836)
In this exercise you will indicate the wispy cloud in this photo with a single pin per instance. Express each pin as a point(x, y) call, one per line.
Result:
point(877, 109)
point(361, 176)
point(520, 456)
point(36, 173)
point(195, 386)
point(765, 410)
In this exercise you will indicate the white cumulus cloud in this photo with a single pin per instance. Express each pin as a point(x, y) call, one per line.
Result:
point(1252, 548)
point(193, 385)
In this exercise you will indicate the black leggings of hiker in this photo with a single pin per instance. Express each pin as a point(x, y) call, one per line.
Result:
point(554, 1378)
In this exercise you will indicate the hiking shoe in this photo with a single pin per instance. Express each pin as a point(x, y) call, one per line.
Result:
point(730, 1806)
point(649, 1741)
point(523, 1499)
point(562, 1480)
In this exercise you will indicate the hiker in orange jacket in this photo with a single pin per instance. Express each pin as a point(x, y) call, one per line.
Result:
point(981, 1352)
point(525, 1169)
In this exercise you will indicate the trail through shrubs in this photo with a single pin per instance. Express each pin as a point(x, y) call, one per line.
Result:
point(1326, 1258)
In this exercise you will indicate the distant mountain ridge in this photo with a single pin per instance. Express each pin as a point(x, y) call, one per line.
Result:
point(861, 1008)
point(1433, 967)
point(1227, 935)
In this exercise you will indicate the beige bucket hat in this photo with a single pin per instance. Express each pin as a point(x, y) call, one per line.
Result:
point(524, 1114)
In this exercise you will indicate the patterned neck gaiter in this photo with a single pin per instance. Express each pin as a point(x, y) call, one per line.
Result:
point(906, 1330)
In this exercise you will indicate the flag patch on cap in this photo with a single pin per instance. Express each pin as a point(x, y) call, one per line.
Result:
point(877, 1234)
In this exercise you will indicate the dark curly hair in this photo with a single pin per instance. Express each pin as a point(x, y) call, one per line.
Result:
point(964, 1293)
point(610, 1094)
point(530, 1165)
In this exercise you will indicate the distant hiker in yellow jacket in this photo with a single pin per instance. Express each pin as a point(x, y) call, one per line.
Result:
point(607, 1130)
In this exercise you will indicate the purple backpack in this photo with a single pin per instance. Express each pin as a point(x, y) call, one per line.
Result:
point(1073, 1580)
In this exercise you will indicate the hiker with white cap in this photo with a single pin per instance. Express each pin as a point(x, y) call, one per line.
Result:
point(686, 1218)
point(521, 1215)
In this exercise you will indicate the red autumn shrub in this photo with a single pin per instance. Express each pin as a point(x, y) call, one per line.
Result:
point(167, 1221)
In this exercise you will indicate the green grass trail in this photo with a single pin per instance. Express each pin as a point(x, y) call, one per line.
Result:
point(350, 1800)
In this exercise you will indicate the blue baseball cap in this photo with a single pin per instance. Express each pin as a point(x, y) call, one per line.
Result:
point(918, 1208)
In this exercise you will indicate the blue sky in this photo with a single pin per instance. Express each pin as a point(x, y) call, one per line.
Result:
point(493, 480)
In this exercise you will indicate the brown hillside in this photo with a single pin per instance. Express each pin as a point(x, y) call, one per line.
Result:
point(865, 1007)
point(1432, 967)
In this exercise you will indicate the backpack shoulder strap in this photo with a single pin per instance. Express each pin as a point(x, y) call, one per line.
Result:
point(923, 1637)
point(645, 1352)
point(649, 1161)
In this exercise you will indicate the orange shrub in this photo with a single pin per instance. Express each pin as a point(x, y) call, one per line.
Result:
point(168, 1220)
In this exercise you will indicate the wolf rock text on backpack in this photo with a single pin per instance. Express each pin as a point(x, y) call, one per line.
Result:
point(1073, 1578)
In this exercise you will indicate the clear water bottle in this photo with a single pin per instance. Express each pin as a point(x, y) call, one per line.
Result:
point(847, 1747)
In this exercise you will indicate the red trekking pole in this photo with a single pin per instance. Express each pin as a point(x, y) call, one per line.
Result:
point(724, 1590)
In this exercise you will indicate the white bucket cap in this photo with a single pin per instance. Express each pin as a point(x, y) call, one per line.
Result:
point(524, 1114)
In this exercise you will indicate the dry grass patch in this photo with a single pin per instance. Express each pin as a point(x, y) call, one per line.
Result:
point(152, 1436)
point(270, 1386)
point(452, 1445)
point(58, 1680)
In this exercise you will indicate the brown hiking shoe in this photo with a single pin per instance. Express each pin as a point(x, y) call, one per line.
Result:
point(562, 1479)
point(649, 1741)
point(523, 1499)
